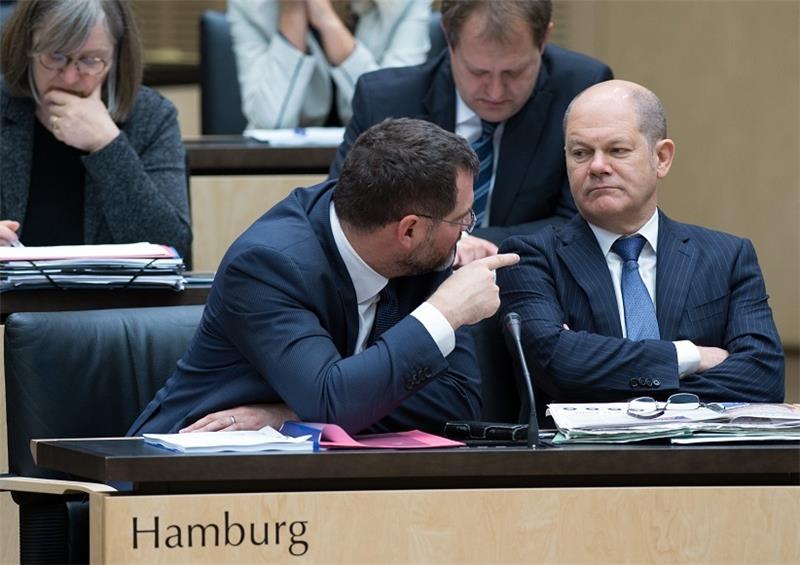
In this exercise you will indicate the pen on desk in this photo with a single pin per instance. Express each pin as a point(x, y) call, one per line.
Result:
point(16, 243)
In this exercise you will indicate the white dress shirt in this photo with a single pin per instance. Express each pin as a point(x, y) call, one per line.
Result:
point(468, 126)
point(687, 352)
point(368, 283)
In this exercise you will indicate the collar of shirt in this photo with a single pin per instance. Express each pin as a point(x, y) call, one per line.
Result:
point(468, 124)
point(607, 238)
point(366, 281)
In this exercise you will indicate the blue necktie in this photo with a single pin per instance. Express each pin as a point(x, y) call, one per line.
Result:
point(484, 148)
point(640, 313)
point(387, 313)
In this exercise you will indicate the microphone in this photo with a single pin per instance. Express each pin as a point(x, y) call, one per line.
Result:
point(513, 328)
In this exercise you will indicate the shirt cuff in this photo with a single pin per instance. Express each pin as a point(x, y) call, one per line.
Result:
point(688, 357)
point(437, 325)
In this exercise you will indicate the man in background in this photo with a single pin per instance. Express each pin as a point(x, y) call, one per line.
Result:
point(502, 87)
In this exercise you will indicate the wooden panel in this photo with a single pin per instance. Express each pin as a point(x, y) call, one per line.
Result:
point(223, 207)
point(603, 525)
point(728, 73)
point(171, 28)
point(186, 99)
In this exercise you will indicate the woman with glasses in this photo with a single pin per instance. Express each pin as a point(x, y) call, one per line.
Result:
point(89, 155)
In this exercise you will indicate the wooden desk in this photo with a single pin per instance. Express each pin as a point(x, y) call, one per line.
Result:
point(238, 155)
point(478, 505)
point(155, 470)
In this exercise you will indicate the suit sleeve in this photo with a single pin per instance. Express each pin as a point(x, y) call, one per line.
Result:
point(754, 371)
point(272, 316)
point(274, 76)
point(575, 362)
point(399, 30)
point(142, 189)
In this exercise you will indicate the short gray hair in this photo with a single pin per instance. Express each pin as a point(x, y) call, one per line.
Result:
point(650, 113)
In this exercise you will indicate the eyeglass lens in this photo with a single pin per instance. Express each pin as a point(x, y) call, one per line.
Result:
point(648, 407)
point(682, 401)
point(84, 65)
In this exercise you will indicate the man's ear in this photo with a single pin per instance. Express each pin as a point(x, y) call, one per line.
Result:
point(665, 152)
point(546, 37)
point(410, 231)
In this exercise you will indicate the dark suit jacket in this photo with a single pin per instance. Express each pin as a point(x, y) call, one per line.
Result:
point(530, 188)
point(709, 290)
point(281, 323)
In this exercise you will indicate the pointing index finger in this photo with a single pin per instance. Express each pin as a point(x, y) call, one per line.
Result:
point(501, 260)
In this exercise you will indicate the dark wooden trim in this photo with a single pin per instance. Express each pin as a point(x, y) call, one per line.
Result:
point(238, 155)
point(154, 470)
point(163, 74)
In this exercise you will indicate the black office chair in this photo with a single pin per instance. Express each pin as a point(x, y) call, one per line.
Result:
point(80, 374)
point(220, 98)
point(438, 40)
point(499, 390)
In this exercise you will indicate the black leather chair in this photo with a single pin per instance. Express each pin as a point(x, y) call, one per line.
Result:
point(220, 98)
point(6, 7)
point(438, 41)
point(80, 374)
point(499, 389)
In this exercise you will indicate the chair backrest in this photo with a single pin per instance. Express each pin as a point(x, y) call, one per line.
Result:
point(498, 384)
point(86, 374)
point(220, 99)
point(438, 41)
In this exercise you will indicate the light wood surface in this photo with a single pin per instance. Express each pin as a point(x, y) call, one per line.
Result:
point(602, 525)
point(223, 207)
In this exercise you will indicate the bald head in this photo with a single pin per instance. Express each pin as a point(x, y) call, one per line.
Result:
point(652, 119)
point(616, 151)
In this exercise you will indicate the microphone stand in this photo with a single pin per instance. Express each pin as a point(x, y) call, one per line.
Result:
point(514, 329)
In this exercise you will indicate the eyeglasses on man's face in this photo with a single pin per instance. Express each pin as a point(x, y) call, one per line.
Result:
point(648, 407)
point(88, 66)
point(467, 223)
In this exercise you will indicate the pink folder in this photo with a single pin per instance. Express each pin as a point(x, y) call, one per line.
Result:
point(334, 437)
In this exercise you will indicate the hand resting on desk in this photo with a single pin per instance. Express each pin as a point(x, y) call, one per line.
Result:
point(8, 231)
point(252, 417)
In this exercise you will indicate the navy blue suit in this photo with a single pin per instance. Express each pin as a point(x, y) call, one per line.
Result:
point(709, 290)
point(281, 323)
point(530, 188)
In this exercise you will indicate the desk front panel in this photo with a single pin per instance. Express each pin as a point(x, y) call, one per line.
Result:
point(600, 525)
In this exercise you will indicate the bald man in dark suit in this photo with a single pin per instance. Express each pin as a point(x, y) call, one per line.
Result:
point(623, 301)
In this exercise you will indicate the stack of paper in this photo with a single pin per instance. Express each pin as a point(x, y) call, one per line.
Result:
point(298, 137)
point(295, 436)
point(265, 439)
point(137, 265)
point(610, 423)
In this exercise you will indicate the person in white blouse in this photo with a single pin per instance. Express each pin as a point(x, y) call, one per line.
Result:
point(298, 60)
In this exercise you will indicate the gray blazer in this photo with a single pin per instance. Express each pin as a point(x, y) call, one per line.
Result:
point(135, 186)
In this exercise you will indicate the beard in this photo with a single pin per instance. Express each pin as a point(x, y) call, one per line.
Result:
point(428, 259)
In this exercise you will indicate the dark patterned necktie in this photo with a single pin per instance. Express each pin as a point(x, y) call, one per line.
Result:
point(640, 313)
point(387, 313)
point(484, 148)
